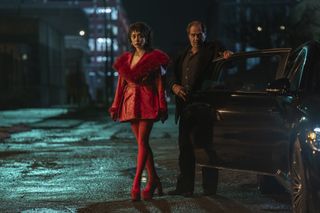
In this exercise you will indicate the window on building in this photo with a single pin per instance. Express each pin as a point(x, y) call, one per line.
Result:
point(100, 28)
point(115, 45)
point(115, 30)
point(91, 44)
point(101, 44)
point(101, 58)
point(109, 42)
point(92, 73)
point(102, 10)
point(114, 13)
point(89, 10)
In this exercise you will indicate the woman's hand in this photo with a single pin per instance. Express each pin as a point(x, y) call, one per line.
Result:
point(113, 114)
point(163, 116)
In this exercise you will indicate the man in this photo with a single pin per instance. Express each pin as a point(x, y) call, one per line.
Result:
point(190, 69)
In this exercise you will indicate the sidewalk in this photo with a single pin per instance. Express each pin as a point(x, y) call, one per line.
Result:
point(19, 120)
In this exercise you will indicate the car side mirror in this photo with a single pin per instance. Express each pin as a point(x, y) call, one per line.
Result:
point(279, 86)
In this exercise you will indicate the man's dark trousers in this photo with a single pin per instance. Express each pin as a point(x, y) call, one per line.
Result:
point(186, 177)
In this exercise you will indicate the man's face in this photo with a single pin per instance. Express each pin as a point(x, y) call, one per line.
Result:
point(196, 36)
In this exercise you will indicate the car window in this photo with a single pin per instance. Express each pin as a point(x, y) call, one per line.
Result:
point(310, 79)
point(296, 64)
point(249, 74)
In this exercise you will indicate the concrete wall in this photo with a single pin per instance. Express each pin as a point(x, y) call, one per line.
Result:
point(31, 63)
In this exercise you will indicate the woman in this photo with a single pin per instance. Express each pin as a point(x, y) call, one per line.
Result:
point(140, 100)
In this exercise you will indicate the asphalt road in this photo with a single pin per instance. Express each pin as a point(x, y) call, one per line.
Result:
point(83, 162)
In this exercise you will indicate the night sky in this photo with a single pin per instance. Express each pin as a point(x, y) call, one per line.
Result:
point(167, 18)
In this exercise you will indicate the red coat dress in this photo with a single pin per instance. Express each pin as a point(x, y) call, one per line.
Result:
point(140, 92)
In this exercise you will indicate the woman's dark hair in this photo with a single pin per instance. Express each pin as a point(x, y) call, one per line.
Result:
point(145, 30)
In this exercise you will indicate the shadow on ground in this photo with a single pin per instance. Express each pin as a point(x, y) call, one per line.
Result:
point(174, 204)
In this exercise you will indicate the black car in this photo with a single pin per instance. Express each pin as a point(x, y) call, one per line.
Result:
point(260, 112)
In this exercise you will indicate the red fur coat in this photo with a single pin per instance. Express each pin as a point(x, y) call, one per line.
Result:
point(140, 92)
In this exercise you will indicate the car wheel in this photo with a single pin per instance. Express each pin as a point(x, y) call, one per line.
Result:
point(298, 182)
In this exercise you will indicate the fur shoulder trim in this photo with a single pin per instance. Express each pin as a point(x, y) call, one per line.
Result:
point(150, 62)
point(122, 59)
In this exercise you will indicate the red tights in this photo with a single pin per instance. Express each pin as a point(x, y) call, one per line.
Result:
point(141, 130)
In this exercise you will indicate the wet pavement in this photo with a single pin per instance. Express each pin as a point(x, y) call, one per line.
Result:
point(66, 160)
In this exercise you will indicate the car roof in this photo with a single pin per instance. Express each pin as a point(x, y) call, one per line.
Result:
point(261, 52)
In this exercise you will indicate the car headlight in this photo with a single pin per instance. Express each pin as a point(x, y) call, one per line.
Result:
point(313, 138)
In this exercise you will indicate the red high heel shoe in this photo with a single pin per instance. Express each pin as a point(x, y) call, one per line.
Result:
point(148, 192)
point(135, 195)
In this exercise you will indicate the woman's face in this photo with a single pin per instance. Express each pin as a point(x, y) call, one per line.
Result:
point(137, 40)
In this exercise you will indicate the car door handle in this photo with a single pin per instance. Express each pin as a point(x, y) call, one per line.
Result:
point(218, 116)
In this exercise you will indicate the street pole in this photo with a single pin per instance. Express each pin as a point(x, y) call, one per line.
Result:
point(111, 55)
point(106, 64)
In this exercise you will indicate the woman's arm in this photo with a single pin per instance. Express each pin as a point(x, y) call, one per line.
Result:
point(115, 106)
point(160, 84)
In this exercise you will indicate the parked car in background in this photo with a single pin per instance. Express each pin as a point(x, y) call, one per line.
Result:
point(260, 112)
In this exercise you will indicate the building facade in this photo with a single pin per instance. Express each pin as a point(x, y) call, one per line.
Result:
point(74, 44)
point(251, 24)
point(108, 28)
point(31, 68)
point(33, 51)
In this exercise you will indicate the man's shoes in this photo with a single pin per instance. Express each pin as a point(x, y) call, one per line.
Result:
point(181, 192)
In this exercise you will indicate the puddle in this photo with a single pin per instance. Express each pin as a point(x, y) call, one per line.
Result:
point(45, 210)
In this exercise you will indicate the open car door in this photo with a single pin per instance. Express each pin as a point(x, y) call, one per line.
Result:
point(244, 125)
